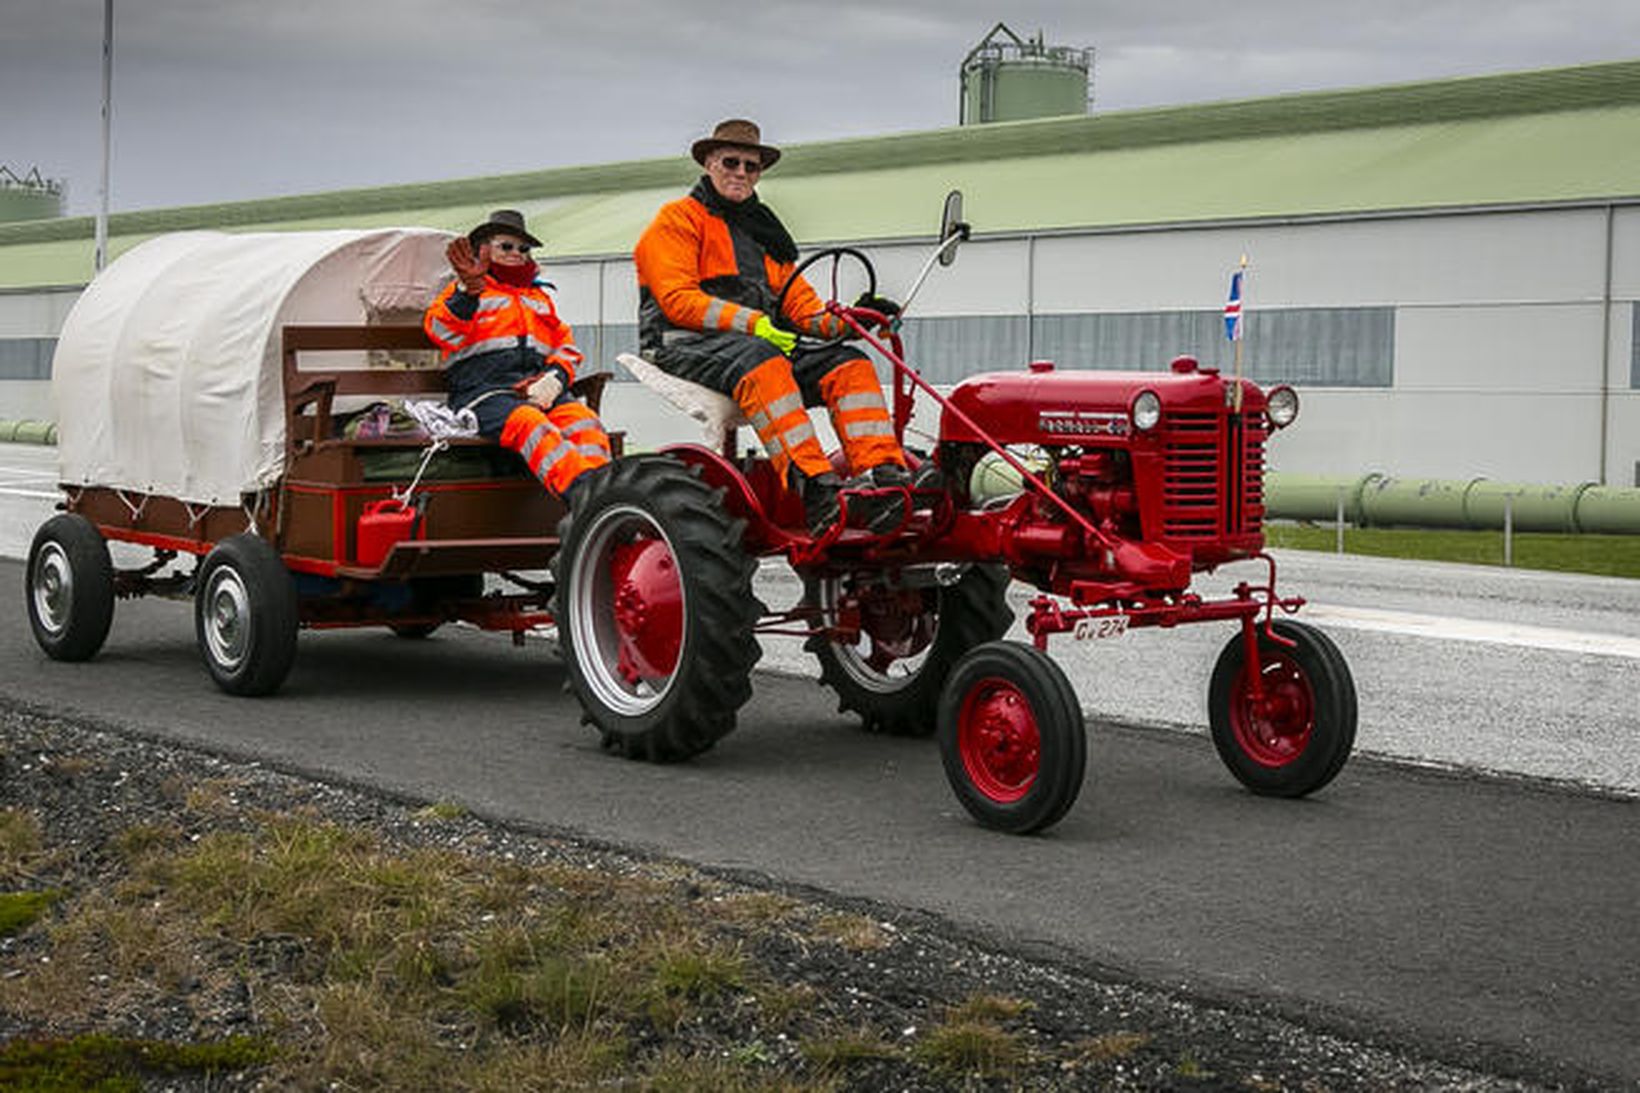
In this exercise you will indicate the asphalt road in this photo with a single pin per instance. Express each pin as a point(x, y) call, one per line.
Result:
point(1491, 922)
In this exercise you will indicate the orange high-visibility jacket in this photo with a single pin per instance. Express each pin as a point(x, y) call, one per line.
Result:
point(513, 321)
point(697, 273)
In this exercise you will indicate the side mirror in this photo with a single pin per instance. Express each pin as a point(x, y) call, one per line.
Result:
point(952, 227)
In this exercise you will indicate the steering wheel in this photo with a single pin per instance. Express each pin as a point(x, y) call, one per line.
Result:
point(837, 256)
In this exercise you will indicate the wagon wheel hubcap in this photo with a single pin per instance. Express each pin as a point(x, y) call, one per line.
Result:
point(227, 618)
point(1275, 729)
point(53, 588)
point(998, 740)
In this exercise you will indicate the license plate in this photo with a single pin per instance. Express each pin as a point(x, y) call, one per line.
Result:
point(1106, 626)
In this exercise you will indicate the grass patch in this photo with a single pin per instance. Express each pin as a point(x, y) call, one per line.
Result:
point(19, 837)
point(971, 1047)
point(20, 910)
point(111, 1064)
point(1602, 555)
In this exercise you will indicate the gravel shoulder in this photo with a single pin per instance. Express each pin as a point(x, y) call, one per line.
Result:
point(884, 998)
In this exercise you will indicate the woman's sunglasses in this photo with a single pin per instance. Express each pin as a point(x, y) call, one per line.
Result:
point(507, 247)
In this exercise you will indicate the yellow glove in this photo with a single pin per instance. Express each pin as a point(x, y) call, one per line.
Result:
point(783, 340)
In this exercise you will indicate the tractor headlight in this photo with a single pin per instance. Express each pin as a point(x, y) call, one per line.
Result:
point(1282, 406)
point(1146, 410)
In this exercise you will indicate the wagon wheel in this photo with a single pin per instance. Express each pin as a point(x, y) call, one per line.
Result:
point(1012, 737)
point(245, 616)
point(909, 640)
point(1298, 736)
point(655, 609)
point(70, 588)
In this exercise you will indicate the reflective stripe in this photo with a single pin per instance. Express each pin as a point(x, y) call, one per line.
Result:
point(442, 332)
point(540, 307)
point(863, 400)
point(868, 427)
point(547, 352)
point(797, 434)
point(714, 314)
point(488, 345)
point(579, 425)
point(593, 450)
point(491, 303)
point(760, 421)
point(746, 320)
point(785, 404)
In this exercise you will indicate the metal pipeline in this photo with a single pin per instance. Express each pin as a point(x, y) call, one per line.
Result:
point(1377, 500)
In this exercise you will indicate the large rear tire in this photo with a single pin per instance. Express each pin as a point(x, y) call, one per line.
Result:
point(1298, 737)
point(245, 616)
point(655, 608)
point(1012, 737)
point(69, 587)
point(909, 641)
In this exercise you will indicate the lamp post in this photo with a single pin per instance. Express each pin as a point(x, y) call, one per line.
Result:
point(100, 258)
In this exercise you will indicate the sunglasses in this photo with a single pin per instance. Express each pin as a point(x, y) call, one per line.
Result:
point(507, 247)
point(735, 163)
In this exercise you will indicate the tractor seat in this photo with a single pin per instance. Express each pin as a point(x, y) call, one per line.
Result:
point(718, 414)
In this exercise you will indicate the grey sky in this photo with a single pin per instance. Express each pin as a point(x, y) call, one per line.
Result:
point(218, 100)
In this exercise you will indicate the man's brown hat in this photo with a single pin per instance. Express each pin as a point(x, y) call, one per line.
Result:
point(738, 132)
point(503, 222)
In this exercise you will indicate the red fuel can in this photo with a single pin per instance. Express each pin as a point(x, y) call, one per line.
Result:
point(381, 524)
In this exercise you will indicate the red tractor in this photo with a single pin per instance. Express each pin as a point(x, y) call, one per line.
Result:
point(1128, 484)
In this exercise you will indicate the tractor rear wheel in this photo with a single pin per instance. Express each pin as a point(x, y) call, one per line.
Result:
point(245, 616)
point(909, 640)
point(1012, 737)
point(1295, 737)
point(655, 608)
point(70, 587)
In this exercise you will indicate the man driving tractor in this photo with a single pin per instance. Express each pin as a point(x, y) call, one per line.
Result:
point(711, 268)
point(508, 356)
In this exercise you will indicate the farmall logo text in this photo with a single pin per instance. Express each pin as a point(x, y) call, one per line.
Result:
point(1082, 423)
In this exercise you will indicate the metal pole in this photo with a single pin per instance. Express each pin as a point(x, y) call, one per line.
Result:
point(1509, 529)
point(100, 258)
point(1340, 523)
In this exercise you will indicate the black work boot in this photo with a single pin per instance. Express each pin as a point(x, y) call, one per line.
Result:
point(819, 494)
point(927, 476)
point(876, 508)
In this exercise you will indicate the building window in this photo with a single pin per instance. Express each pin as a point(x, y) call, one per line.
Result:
point(26, 358)
point(1634, 358)
point(1312, 347)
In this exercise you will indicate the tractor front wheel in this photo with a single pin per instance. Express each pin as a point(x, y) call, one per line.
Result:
point(1012, 737)
point(655, 609)
point(1294, 735)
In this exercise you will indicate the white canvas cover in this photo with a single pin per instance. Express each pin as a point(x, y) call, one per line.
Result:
point(167, 375)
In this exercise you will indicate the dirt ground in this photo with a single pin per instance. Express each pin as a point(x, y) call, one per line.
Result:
point(808, 992)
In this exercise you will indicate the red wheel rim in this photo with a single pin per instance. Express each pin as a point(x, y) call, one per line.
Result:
point(998, 740)
point(648, 601)
point(1275, 730)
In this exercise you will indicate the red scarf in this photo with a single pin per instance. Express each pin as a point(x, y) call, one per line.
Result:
point(517, 276)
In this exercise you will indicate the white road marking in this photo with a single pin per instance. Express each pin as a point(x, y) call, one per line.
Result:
point(1446, 628)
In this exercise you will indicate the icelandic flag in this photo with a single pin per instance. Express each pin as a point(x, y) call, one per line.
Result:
point(1232, 309)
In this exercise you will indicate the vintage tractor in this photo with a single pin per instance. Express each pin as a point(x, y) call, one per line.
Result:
point(1126, 485)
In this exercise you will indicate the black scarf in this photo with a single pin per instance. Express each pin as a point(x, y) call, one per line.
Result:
point(750, 216)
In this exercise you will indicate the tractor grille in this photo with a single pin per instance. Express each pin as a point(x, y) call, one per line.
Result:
point(1213, 482)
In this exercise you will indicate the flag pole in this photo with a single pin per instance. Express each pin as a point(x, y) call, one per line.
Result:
point(1241, 331)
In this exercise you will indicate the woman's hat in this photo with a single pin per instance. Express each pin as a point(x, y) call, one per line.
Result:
point(738, 132)
point(502, 222)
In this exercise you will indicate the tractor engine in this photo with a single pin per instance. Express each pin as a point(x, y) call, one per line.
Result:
point(1167, 466)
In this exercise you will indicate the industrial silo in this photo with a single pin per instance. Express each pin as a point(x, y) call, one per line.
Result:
point(28, 196)
point(1009, 78)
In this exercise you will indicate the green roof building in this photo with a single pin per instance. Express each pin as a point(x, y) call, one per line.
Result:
point(1448, 271)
